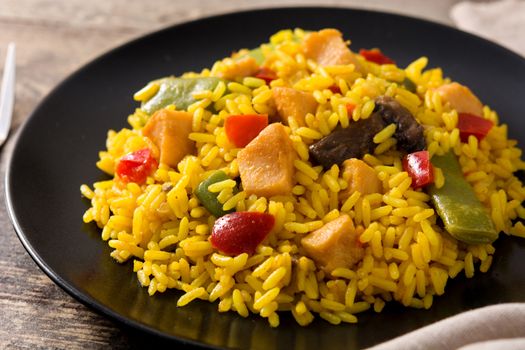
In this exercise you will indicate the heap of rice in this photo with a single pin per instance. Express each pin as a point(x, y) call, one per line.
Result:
point(164, 230)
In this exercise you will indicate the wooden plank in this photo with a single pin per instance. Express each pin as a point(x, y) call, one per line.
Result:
point(35, 313)
point(47, 54)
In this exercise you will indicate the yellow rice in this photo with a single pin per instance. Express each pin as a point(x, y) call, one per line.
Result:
point(408, 257)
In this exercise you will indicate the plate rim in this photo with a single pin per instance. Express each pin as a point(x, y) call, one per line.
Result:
point(91, 302)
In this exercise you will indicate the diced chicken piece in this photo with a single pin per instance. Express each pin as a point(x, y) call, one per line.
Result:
point(335, 244)
point(360, 177)
point(169, 130)
point(266, 163)
point(328, 48)
point(461, 98)
point(293, 103)
point(243, 67)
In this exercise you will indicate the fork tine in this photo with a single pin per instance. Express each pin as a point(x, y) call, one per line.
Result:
point(7, 93)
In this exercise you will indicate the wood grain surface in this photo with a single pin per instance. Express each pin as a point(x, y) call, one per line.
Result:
point(53, 39)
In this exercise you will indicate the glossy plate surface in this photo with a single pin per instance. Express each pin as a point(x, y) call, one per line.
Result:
point(57, 149)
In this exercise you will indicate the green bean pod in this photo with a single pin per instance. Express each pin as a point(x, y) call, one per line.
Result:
point(178, 92)
point(464, 216)
point(209, 199)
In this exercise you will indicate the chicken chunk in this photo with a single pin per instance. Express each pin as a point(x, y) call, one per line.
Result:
point(327, 48)
point(460, 98)
point(169, 131)
point(335, 244)
point(360, 177)
point(293, 103)
point(266, 163)
point(242, 67)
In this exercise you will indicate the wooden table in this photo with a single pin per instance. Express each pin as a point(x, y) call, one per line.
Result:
point(53, 39)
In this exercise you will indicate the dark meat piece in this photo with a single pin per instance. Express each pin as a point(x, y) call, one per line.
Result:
point(357, 139)
point(409, 133)
point(353, 142)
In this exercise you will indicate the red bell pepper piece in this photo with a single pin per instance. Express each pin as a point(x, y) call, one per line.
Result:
point(241, 129)
point(335, 89)
point(136, 166)
point(350, 108)
point(419, 167)
point(266, 74)
point(241, 232)
point(376, 56)
point(469, 124)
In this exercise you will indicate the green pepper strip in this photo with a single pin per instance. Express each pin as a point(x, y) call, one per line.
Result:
point(209, 199)
point(256, 54)
point(410, 85)
point(464, 216)
point(178, 91)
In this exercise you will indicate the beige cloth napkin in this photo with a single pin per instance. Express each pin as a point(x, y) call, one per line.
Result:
point(494, 327)
point(500, 21)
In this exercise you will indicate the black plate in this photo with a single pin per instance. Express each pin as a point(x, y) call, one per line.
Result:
point(57, 149)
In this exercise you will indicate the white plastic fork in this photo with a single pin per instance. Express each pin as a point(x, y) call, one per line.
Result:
point(7, 93)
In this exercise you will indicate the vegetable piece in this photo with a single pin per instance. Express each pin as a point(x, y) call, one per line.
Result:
point(409, 133)
point(360, 177)
point(266, 163)
point(418, 166)
point(241, 129)
point(335, 244)
point(241, 232)
point(257, 54)
point(352, 142)
point(209, 199)
point(169, 130)
point(410, 85)
point(357, 139)
point(177, 91)
point(464, 216)
point(266, 74)
point(469, 124)
point(136, 166)
point(460, 98)
point(242, 67)
point(335, 89)
point(328, 48)
point(376, 56)
point(350, 109)
point(293, 103)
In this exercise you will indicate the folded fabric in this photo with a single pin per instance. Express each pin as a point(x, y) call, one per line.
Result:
point(500, 21)
point(507, 344)
point(502, 321)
